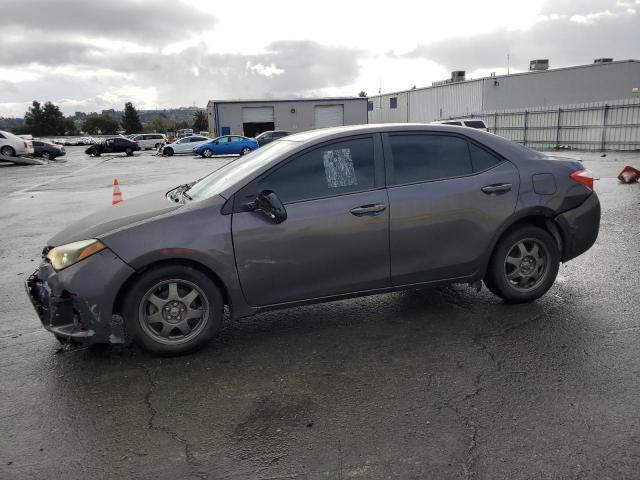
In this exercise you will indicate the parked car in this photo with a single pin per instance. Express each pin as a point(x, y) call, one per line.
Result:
point(12, 146)
point(226, 145)
point(183, 145)
point(48, 150)
point(465, 122)
point(113, 145)
point(270, 136)
point(148, 141)
point(317, 216)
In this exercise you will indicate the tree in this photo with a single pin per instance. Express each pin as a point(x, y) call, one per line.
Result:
point(130, 120)
point(362, 94)
point(200, 122)
point(42, 121)
point(95, 124)
point(70, 126)
point(53, 120)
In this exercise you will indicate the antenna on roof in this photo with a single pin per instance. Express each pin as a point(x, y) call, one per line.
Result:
point(508, 63)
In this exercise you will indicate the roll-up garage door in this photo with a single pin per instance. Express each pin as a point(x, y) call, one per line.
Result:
point(329, 116)
point(257, 114)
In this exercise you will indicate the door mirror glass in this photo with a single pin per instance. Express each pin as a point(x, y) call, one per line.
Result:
point(270, 204)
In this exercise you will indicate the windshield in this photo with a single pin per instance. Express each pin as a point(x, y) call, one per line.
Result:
point(236, 170)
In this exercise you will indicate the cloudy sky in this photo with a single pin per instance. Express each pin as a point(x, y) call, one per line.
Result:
point(92, 55)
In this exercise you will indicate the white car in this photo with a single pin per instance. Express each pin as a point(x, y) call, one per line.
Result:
point(12, 146)
point(184, 145)
point(149, 140)
point(466, 122)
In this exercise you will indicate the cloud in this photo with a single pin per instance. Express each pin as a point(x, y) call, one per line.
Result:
point(283, 68)
point(564, 40)
point(143, 22)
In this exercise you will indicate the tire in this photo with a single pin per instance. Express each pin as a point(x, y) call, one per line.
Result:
point(96, 152)
point(244, 151)
point(168, 151)
point(46, 155)
point(156, 146)
point(524, 265)
point(129, 151)
point(207, 153)
point(157, 309)
point(8, 151)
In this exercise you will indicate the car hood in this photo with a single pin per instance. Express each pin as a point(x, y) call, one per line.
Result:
point(112, 218)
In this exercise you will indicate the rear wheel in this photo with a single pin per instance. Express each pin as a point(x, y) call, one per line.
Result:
point(173, 309)
point(156, 146)
point(244, 151)
point(524, 265)
point(168, 151)
point(8, 151)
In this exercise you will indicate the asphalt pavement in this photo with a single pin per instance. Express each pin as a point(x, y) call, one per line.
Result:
point(441, 383)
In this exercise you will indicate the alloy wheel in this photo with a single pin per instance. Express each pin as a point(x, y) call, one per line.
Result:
point(174, 311)
point(526, 264)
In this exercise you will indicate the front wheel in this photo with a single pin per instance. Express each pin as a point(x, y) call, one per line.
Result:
point(244, 151)
point(46, 155)
point(96, 153)
point(524, 265)
point(168, 151)
point(129, 151)
point(207, 152)
point(173, 309)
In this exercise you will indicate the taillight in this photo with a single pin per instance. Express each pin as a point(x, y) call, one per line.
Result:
point(584, 176)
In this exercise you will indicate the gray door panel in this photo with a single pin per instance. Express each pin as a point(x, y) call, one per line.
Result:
point(321, 249)
point(443, 229)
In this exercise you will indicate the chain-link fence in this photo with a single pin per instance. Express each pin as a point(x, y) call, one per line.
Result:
point(596, 126)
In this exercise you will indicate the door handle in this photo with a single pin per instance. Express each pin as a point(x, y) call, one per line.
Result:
point(497, 188)
point(364, 209)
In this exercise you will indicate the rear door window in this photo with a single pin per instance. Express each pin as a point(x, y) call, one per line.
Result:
point(334, 169)
point(420, 158)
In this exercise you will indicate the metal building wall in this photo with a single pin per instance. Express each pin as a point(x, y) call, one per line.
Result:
point(382, 111)
point(445, 101)
point(563, 86)
point(291, 115)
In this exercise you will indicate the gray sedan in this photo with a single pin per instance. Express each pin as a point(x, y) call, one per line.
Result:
point(313, 217)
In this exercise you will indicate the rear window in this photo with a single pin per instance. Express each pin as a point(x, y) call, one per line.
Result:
point(475, 124)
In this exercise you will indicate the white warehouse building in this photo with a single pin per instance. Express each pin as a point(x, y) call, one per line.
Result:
point(594, 106)
point(251, 117)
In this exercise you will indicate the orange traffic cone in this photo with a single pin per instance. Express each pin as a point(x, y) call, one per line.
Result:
point(117, 196)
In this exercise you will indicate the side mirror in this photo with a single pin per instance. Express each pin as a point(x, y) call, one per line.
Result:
point(270, 204)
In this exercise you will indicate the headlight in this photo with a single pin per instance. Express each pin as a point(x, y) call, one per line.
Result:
point(66, 255)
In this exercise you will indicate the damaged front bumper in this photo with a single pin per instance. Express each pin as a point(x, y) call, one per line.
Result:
point(76, 303)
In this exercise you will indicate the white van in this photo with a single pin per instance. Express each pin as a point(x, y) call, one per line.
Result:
point(466, 122)
point(149, 140)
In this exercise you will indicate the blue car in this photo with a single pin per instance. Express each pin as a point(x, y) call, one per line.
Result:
point(226, 145)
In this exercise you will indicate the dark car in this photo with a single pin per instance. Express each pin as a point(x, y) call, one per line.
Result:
point(113, 145)
point(47, 150)
point(318, 216)
point(270, 136)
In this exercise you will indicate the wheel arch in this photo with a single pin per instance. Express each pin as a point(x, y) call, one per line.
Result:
point(118, 302)
point(542, 218)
